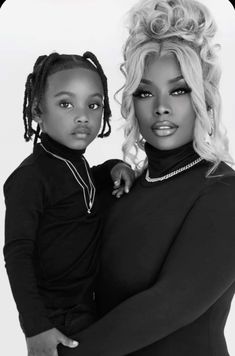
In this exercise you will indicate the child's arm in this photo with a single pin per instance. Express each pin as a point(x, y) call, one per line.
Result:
point(25, 198)
point(122, 172)
point(114, 171)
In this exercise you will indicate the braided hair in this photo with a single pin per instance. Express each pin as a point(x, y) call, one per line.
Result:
point(36, 82)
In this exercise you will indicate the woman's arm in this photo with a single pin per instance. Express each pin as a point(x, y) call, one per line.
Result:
point(199, 268)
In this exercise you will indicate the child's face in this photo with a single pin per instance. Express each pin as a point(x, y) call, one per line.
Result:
point(163, 105)
point(72, 107)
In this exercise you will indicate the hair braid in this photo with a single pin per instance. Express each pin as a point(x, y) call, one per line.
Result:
point(40, 80)
point(107, 110)
point(36, 81)
point(34, 87)
point(27, 115)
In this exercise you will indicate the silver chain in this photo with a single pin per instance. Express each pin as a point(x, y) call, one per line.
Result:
point(82, 183)
point(169, 175)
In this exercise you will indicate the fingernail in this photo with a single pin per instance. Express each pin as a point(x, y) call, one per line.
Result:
point(75, 343)
point(127, 190)
point(116, 182)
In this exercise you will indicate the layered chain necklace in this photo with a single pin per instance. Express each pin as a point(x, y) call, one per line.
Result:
point(169, 175)
point(90, 190)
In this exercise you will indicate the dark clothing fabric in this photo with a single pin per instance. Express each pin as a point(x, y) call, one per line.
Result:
point(52, 242)
point(70, 321)
point(168, 264)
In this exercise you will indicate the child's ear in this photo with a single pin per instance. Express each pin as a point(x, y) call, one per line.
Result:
point(36, 113)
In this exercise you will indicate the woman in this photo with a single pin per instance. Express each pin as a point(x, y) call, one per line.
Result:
point(168, 263)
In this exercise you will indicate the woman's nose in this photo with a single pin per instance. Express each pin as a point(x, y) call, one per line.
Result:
point(161, 107)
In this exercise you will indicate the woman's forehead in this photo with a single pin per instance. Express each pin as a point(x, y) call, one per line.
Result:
point(165, 66)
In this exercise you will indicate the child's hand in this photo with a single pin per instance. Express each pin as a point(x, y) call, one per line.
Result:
point(122, 172)
point(45, 343)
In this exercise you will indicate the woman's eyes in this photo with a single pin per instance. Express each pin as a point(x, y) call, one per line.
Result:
point(142, 94)
point(175, 92)
point(180, 91)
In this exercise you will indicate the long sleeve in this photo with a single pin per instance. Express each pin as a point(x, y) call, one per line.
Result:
point(102, 172)
point(24, 206)
point(199, 268)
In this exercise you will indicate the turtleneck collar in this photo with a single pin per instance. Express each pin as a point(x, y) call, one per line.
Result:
point(161, 162)
point(57, 148)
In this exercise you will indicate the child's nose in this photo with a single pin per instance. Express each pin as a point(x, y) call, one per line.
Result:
point(81, 116)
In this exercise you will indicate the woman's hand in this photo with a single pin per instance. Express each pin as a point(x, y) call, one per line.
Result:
point(45, 343)
point(123, 177)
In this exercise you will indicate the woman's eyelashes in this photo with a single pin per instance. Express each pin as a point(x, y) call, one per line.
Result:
point(181, 91)
point(143, 93)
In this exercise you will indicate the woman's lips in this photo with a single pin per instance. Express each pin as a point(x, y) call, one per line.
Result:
point(164, 128)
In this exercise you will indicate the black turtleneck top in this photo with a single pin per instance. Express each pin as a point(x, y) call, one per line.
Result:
point(168, 264)
point(51, 241)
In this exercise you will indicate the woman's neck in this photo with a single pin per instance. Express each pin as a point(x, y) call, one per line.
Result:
point(161, 162)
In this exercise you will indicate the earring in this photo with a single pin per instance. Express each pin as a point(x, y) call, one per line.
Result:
point(210, 113)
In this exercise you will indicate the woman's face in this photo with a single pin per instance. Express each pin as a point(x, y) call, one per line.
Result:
point(163, 106)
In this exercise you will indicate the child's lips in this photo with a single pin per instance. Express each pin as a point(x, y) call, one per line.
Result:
point(81, 131)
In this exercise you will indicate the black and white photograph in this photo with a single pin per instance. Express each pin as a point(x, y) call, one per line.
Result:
point(118, 177)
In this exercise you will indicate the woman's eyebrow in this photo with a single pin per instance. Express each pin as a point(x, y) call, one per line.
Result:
point(176, 79)
point(146, 81)
point(173, 80)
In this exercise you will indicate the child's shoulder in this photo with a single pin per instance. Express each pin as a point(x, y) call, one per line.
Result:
point(28, 171)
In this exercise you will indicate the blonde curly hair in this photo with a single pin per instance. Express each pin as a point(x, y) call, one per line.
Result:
point(186, 29)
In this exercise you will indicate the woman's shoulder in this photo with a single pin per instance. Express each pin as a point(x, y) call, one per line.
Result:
point(224, 170)
point(220, 185)
point(223, 174)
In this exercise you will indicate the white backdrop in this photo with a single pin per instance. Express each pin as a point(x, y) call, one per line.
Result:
point(29, 28)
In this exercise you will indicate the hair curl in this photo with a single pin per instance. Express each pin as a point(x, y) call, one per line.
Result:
point(186, 29)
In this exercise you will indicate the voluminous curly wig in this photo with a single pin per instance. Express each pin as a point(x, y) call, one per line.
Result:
point(186, 29)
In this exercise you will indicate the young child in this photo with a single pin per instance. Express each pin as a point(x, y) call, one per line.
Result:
point(53, 216)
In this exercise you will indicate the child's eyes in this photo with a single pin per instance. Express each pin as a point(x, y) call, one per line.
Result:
point(65, 104)
point(180, 91)
point(94, 106)
point(142, 93)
